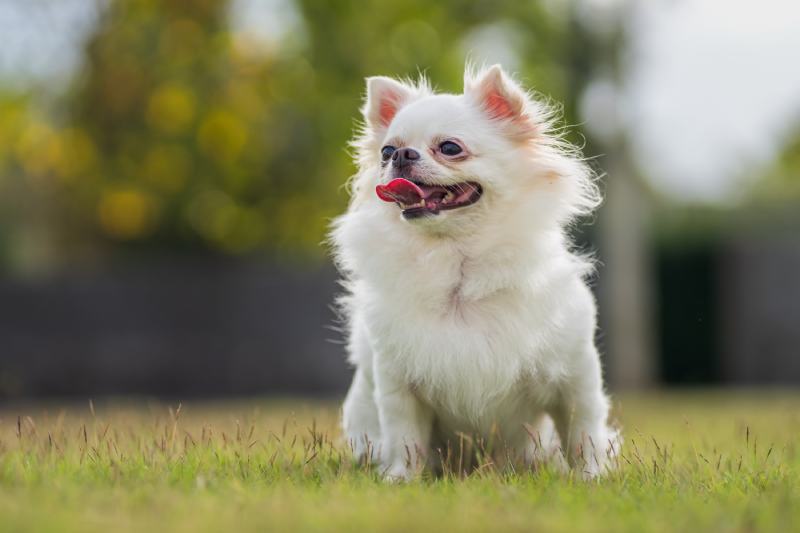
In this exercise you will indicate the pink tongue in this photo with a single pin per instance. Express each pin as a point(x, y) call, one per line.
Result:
point(400, 190)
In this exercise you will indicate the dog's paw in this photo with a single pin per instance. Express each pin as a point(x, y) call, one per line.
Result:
point(398, 472)
point(593, 470)
point(600, 460)
point(364, 449)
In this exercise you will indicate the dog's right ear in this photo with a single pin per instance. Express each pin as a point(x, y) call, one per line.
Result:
point(385, 97)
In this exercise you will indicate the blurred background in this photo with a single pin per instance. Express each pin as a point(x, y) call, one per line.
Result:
point(168, 170)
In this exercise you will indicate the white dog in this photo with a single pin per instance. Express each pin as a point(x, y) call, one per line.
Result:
point(467, 311)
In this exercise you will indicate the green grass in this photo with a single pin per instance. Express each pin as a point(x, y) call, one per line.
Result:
point(692, 461)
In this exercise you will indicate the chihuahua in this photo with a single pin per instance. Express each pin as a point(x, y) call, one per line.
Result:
point(467, 310)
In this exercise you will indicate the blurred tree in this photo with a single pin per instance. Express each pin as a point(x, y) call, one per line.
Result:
point(33, 151)
point(179, 134)
point(195, 147)
point(781, 182)
point(768, 206)
point(349, 40)
point(201, 143)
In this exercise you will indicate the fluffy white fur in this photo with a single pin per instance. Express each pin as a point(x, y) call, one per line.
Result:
point(477, 320)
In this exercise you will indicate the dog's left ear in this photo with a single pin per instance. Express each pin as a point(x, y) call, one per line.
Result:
point(502, 100)
point(385, 97)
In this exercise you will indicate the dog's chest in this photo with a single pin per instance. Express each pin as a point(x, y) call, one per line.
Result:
point(464, 334)
point(465, 356)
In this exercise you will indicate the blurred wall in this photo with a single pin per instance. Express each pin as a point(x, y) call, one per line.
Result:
point(758, 290)
point(177, 327)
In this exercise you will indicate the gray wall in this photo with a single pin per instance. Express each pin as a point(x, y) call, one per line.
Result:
point(202, 327)
point(191, 327)
point(759, 302)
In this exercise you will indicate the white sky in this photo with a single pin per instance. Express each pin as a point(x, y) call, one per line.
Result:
point(42, 39)
point(712, 86)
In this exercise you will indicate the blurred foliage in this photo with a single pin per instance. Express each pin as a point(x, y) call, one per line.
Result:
point(768, 208)
point(181, 133)
point(191, 139)
point(781, 182)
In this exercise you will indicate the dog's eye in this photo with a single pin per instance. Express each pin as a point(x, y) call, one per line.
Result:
point(387, 151)
point(450, 148)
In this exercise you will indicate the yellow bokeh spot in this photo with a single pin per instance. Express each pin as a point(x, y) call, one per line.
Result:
point(171, 108)
point(167, 167)
point(227, 225)
point(245, 99)
point(126, 213)
point(222, 136)
point(34, 148)
point(75, 155)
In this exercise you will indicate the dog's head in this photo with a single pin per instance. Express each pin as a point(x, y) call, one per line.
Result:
point(446, 162)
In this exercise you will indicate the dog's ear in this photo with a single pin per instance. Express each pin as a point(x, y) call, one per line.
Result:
point(501, 99)
point(385, 97)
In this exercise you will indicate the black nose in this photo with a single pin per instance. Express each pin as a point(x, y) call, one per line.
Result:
point(404, 156)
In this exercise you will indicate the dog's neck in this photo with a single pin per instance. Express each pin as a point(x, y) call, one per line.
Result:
point(437, 270)
point(496, 265)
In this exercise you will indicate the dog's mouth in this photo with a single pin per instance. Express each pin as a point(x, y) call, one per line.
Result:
point(418, 199)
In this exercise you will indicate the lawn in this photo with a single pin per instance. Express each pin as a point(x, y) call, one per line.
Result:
point(692, 461)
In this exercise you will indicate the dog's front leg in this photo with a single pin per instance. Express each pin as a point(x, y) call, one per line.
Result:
point(360, 416)
point(581, 417)
point(406, 425)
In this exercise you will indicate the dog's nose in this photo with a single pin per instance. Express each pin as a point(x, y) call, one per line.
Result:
point(404, 156)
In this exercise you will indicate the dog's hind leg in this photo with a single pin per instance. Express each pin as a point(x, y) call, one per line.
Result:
point(542, 445)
